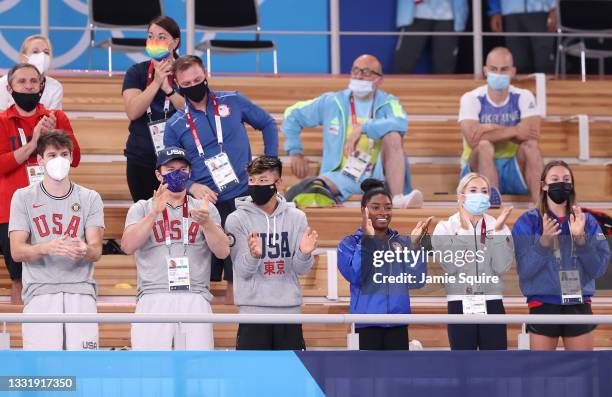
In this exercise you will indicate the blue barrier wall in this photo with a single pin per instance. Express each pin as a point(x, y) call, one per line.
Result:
point(297, 54)
point(320, 373)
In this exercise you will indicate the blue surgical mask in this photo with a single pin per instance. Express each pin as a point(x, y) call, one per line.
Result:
point(498, 82)
point(476, 203)
point(176, 180)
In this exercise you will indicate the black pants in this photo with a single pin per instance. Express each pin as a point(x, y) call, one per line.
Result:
point(141, 181)
point(270, 337)
point(478, 336)
point(223, 267)
point(14, 268)
point(443, 48)
point(383, 338)
point(531, 54)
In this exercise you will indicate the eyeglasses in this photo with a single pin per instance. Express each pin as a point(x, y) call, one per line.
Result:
point(366, 72)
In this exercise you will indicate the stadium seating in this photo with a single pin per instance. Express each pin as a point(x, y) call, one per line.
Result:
point(433, 144)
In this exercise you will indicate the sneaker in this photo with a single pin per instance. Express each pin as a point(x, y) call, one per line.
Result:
point(414, 199)
point(495, 198)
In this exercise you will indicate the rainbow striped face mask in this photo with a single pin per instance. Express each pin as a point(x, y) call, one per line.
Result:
point(157, 49)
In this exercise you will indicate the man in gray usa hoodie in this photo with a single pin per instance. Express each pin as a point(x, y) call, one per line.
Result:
point(271, 246)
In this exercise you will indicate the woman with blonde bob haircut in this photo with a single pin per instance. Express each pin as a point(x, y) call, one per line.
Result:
point(475, 250)
point(36, 50)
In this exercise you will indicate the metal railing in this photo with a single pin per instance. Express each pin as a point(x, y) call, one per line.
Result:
point(306, 318)
point(335, 33)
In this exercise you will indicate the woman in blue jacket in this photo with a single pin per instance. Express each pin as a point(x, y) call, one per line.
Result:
point(560, 251)
point(380, 286)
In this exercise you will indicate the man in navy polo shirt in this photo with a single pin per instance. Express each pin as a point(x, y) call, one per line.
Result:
point(210, 128)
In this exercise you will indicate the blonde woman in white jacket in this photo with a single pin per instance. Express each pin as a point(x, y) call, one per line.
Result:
point(474, 249)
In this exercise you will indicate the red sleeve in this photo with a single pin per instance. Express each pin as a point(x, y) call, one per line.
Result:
point(64, 124)
point(7, 158)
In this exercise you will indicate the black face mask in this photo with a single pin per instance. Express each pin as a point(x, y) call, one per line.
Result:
point(261, 194)
point(196, 92)
point(559, 192)
point(25, 100)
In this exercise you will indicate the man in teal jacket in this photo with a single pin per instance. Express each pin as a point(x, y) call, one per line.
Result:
point(363, 129)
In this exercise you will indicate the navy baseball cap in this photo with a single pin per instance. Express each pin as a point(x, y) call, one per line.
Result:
point(171, 153)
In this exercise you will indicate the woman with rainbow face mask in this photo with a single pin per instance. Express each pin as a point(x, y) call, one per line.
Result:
point(475, 250)
point(150, 97)
point(36, 50)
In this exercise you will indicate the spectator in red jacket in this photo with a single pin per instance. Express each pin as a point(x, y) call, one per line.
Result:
point(20, 127)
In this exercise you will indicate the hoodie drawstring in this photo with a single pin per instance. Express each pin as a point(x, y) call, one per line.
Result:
point(274, 233)
point(267, 230)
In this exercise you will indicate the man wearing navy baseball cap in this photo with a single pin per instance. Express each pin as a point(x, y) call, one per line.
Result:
point(172, 236)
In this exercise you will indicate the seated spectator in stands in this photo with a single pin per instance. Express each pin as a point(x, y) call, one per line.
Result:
point(36, 50)
point(560, 251)
point(471, 229)
point(429, 16)
point(211, 128)
point(150, 97)
point(363, 128)
point(370, 294)
point(531, 53)
point(501, 130)
point(56, 229)
point(21, 126)
point(173, 265)
point(271, 246)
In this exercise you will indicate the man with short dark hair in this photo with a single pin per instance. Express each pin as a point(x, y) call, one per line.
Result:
point(172, 236)
point(56, 229)
point(271, 246)
point(210, 128)
point(20, 128)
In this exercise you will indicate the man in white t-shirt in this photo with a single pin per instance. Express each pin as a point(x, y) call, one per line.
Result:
point(501, 130)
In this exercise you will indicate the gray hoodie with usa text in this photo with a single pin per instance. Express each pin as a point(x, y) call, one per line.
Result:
point(268, 284)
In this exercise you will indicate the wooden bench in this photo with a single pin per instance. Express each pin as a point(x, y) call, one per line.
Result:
point(345, 220)
point(428, 138)
point(418, 94)
point(438, 182)
point(116, 275)
point(316, 335)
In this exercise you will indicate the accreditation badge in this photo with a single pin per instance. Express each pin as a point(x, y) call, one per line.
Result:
point(36, 173)
point(156, 130)
point(571, 291)
point(221, 171)
point(178, 273)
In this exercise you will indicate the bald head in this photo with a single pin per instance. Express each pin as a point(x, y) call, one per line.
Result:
point(368, 61)
point(500, 55)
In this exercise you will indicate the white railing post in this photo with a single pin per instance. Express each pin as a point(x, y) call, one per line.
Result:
point(477, 37)
point(523, 339)
point(583, 137)
point(190, 22)
point(332, 274)
point(5, 338)
point(334, 27)
point(44, 18)
point(540, 80)
point(352, 339)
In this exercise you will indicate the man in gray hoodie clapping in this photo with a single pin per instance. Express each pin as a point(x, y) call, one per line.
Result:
point(271, 246)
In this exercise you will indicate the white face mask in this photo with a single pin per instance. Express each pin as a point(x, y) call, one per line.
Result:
point(361, 88)
point(58, 168)
point(40, 60)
